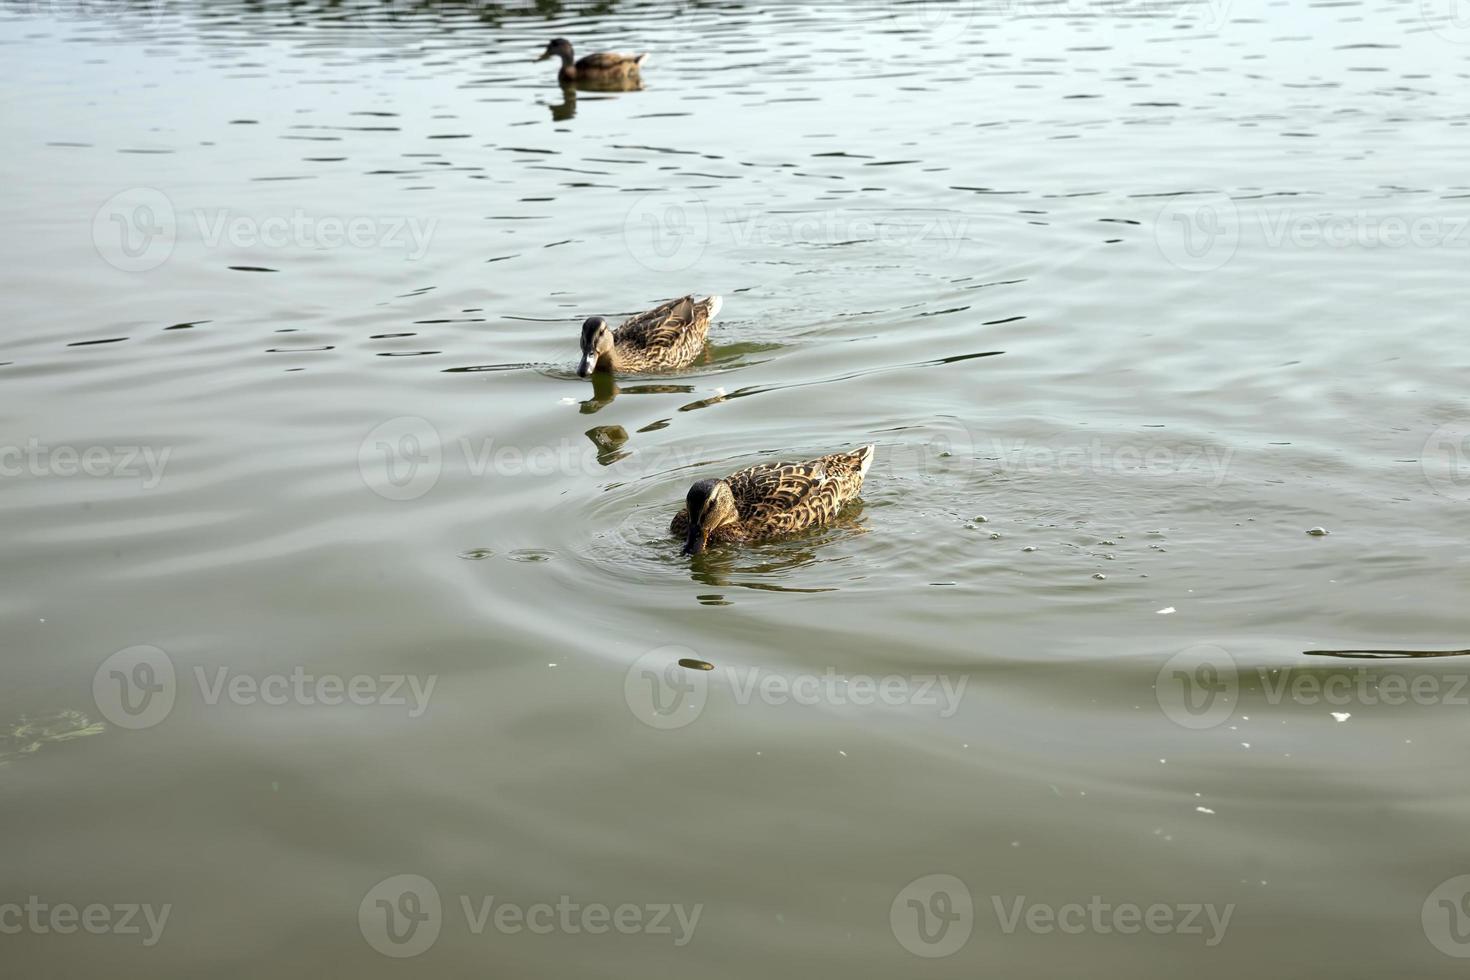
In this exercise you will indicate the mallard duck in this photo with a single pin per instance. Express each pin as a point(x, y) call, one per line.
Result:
point(668, 337)
point(770, 499)
point(605, 66)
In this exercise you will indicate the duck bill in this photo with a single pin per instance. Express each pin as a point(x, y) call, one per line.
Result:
point(544, 56)
point(587, 365)
point(694, 544)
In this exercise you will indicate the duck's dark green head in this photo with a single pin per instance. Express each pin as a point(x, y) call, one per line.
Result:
point(711, 504)
point(560, 48)
point(597, 346)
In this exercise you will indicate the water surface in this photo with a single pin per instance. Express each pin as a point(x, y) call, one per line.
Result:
point(1130, 297)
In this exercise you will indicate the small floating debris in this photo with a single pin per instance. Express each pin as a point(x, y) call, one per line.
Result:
point(477, 554)
point(995, 535)
point(1341, 716)
point(1204, 809)
point(531, 554)
point(693, 664)
point(1166, 611)
point(1029, 548)
point(982, 519)
point(1319, 532)
point(1099, 576)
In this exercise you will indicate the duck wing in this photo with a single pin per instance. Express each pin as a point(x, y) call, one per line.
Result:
point(667, 325)
point(608, 61)
point(789, 496)
point(776, 497)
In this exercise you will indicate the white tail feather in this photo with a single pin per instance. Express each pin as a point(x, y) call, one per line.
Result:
point(714, 303)
point(639, 59)
point(867, 452)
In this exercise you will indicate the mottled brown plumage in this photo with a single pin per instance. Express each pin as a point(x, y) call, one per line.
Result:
point(605, 67)
point(666, 338)
point(770, 499)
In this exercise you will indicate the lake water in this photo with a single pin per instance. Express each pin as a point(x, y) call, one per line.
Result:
point(341, 623)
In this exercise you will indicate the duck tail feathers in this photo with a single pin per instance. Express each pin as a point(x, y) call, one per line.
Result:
point(714, 303)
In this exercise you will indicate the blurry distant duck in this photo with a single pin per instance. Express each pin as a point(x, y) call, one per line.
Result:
point(605, 67)
point(770, 499)
point(670, 336)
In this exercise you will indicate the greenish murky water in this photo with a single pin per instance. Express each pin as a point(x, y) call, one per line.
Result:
point(343, 634)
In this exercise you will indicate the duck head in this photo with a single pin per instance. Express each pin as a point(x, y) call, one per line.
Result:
point(560, 48)
point(597, 346)
point(711, 505)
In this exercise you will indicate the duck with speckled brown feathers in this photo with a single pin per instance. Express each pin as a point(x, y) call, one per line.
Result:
point(604, 68)
point(769, 500)
point(667, 337)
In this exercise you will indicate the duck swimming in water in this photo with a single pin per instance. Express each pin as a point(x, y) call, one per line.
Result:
point(603, 68)
point(769, 499)
point(667, 337)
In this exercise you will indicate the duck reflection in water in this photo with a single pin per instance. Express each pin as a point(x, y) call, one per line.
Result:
point(605, 388)
point(609, 440)
point(567, 110)
point(725, 568)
